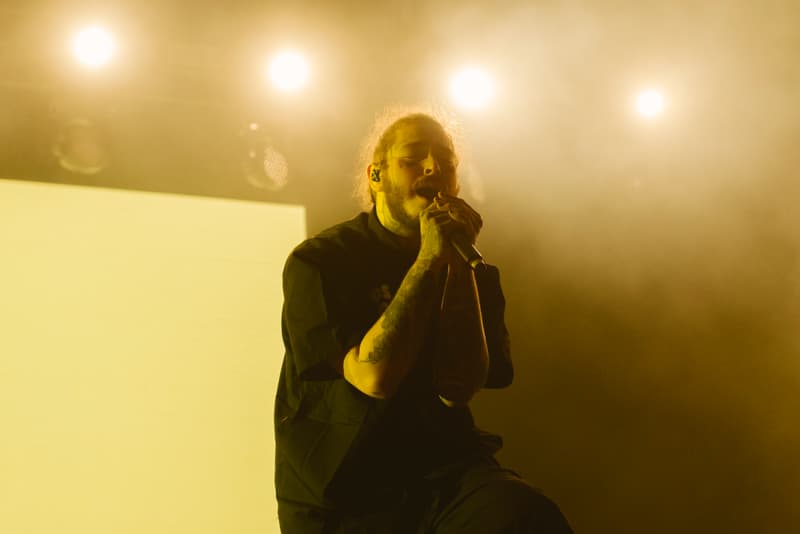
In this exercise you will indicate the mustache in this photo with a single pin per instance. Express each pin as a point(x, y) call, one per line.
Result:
point(427, 189)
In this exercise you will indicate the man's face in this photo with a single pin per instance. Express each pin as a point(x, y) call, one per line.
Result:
point(419, 163)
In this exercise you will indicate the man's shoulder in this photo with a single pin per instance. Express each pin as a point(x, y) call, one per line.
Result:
point(340, 241)
point(352, 229)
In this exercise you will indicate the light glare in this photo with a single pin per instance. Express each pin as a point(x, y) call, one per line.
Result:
point(289, 71)
point(650, 103)
point(94, 47)
point(471, 88)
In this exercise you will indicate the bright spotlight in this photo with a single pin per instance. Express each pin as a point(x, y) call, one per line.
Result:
point(650, 103)
point(94, 47)
point(471, 88)
point(289, 71)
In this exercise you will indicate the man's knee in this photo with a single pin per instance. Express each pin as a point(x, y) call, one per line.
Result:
point(504, 504)
point(526, 509)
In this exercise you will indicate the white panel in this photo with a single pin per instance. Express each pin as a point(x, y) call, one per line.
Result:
point(139, 353)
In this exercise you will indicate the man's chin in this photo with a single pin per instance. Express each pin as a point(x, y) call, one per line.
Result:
point(415, 205)
point(419, 200)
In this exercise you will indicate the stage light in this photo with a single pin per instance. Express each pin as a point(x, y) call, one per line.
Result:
point(94, 47)
point(471, 88)
point(289, 71)
point(650, 103)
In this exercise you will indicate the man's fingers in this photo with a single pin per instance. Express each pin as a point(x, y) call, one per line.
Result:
point(459, 209)
point(464, 215)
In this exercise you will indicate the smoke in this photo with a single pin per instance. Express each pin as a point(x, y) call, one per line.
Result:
point(651, 268)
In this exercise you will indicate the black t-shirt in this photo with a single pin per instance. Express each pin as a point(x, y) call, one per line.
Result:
point(330, 435)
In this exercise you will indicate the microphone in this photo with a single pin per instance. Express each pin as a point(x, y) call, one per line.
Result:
point(466, 250)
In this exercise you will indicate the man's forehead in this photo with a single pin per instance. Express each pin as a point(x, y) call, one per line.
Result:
point(421, 135)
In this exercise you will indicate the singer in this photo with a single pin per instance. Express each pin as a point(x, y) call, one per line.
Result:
point(389, 332)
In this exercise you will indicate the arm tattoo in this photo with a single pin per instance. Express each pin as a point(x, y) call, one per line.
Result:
point(406, 314)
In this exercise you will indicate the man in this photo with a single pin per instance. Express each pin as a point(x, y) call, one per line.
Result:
point(389, 333)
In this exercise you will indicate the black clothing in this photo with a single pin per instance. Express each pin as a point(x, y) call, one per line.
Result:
point(478, 497)
point(340, 452)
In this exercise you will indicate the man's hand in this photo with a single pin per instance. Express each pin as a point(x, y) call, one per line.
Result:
point(468, 220)
point(445, 216)
point(435, 228)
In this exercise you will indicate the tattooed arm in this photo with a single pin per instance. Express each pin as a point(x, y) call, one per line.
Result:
point(378, 365)
point(461, 364)
point(390, 348)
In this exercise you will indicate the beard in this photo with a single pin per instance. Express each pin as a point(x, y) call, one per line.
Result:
point(395, 204)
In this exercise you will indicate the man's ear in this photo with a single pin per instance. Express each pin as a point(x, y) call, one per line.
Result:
point(374, 178)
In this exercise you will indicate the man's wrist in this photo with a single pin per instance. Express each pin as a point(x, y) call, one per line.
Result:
point(430, 263)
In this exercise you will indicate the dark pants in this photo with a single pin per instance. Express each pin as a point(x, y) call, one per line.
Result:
point(480, 497)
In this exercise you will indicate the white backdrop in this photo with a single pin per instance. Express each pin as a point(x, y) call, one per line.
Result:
point(139, 352)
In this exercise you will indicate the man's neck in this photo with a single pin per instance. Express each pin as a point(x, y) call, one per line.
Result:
point(407, 236)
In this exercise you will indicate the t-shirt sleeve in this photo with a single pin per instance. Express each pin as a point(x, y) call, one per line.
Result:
point(315, 330)
point(493, 305)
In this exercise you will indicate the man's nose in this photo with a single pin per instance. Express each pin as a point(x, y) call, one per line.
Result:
point(429, 164)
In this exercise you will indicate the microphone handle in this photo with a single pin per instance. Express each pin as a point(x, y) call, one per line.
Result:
point(466, 250)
